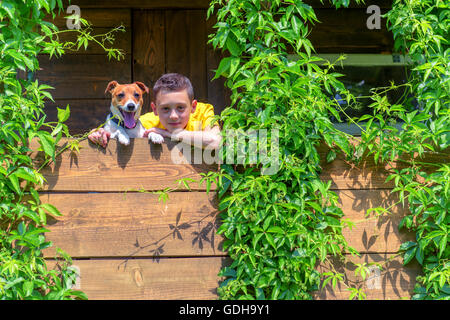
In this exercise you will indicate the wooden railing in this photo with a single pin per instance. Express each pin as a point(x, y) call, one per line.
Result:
point(128, 244)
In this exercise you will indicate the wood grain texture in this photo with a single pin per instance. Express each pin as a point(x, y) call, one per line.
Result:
point(203, 4)
point(345, 31)
point(85, 115)
point(218, 93)
point(82, 76)
point(149, 279)
point(388, 278)
point(186, 47)
point(138, 225)
point(98, 18)
point(373, 234)
point(149, 48)
point(134, 225)
point(196, 278)
point(140, 165)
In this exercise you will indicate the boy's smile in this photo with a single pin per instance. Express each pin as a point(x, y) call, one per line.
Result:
point(173, 109)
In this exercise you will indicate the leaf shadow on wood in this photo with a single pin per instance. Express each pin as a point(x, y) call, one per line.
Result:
point(205, 234)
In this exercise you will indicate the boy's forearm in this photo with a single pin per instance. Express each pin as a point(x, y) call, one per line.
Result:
point(205, 139)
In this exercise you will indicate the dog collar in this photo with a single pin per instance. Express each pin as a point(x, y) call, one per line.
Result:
point(118, 121)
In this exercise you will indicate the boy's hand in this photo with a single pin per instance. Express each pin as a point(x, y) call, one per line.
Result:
point(100, 137)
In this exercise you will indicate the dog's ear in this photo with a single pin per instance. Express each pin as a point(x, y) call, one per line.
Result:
point(142, 86)
point(111, 86)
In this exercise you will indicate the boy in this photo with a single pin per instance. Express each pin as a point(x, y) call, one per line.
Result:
point(176, 115)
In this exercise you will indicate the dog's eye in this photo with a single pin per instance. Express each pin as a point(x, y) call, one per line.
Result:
point(136, 95)
point(121, 95)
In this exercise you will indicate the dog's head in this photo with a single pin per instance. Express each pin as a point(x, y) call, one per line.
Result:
point(127, 101)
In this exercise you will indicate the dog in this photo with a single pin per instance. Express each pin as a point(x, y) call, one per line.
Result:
point(126, 106)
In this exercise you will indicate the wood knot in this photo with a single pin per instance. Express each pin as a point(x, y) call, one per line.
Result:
point(137, 277)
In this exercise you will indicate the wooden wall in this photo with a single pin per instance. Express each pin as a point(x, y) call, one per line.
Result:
point(129, 245)
point(126, 243)
point(171, 36)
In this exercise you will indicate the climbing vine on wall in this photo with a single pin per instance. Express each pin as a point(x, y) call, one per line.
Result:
point(278, 227)
point(24, 34)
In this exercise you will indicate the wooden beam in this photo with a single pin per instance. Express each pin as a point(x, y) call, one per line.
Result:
point(196, 278)
point(134, 224)
point(140, 165)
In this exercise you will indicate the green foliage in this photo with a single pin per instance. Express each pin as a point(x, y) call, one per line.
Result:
point(421, 30)
point(23, 270)
point(278, 227)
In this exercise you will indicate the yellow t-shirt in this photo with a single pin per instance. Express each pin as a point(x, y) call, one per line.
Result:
point(198, 120)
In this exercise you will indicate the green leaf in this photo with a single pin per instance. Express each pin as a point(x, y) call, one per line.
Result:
point(409, 254)
point(47, 142)
point(63, 114)
point(270, 240)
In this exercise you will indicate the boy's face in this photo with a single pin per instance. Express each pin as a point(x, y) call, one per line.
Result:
point(173, 109)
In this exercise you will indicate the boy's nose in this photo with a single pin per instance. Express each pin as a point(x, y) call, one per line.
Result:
point(173, 115)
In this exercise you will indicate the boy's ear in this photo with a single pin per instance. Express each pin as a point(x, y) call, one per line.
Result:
point(111, 86)
point(152, 104)
point(142, 86)
point(194, 105)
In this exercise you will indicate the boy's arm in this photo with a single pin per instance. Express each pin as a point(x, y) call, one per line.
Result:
point(209, 138)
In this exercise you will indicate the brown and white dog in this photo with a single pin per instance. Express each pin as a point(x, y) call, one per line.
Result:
point(126, 106)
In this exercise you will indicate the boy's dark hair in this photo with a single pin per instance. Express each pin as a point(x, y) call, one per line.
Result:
point(173, 82)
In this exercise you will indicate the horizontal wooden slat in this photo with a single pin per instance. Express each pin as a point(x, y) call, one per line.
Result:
point(82, 76)
point(138, 225)
point(196, 278)
point(140, 165)
point(154, 167)
point(346, 31)
point(392, 281)
point(134, 225)
point(151, 279)
point(159, 4)
point(85, 115)
point(371, 233)
point(98, 18)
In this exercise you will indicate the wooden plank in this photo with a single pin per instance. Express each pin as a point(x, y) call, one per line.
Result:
point(186, 47)
point(150, 279)
point(141, 165)
point(196, 4)
point(218, 93)
point(85, 115)
point(99, 18)
point(392, 282)
point(82, 76)
point(373, 234)
point(154, 167)
point(196, 278)
point(143, 4)
point(134, 225)
point(137, 224)
point(122, 41)
point(102, 21)
point(346, 31)
point(148, 48)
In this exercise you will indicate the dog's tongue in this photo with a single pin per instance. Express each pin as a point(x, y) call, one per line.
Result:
point(128, 118)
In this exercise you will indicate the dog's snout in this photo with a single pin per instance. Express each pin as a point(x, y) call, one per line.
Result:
point(131, 106)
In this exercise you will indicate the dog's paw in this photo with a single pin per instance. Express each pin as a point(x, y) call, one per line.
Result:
point(124, 139)
point(155, 138)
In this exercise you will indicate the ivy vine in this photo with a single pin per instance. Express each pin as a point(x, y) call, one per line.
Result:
point(279, 227)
